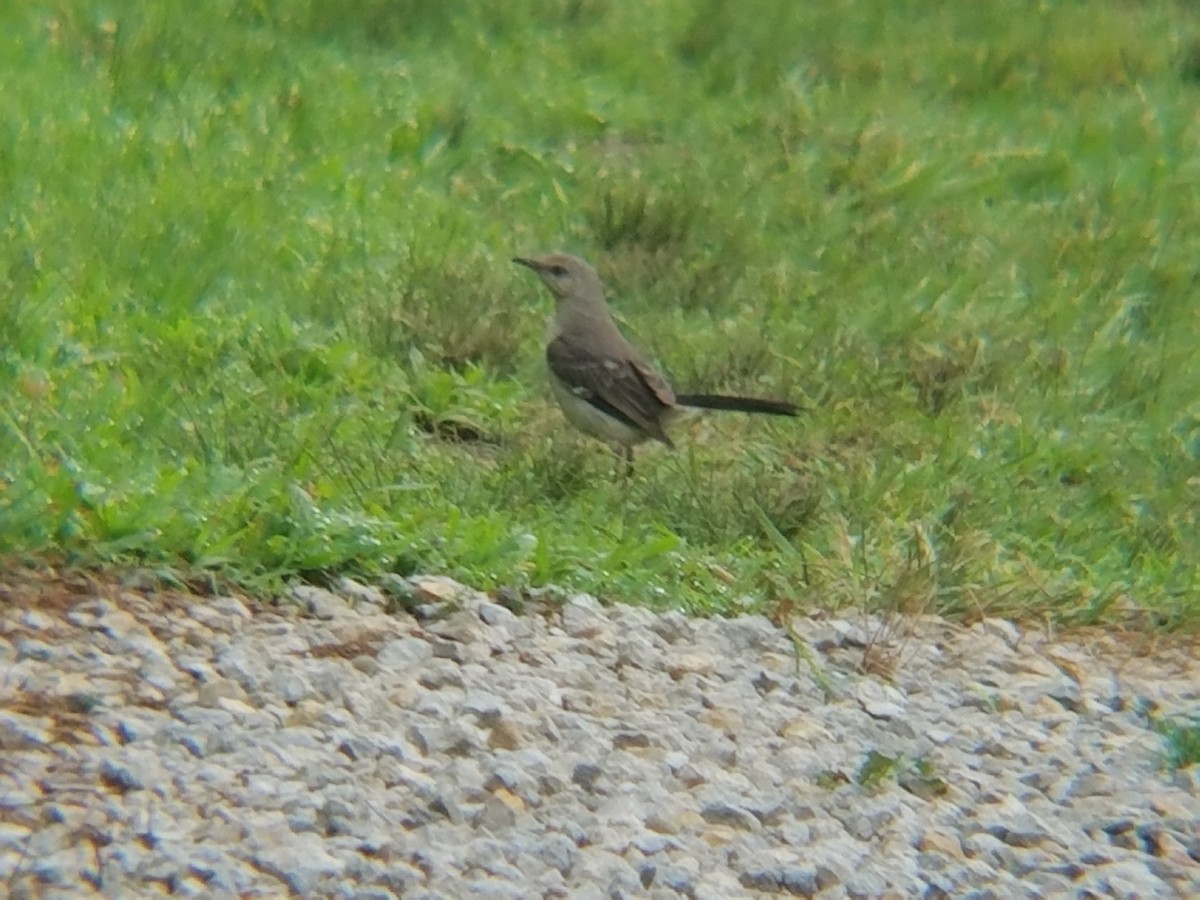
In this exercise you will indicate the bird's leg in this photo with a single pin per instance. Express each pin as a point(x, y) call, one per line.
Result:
point(624, 468)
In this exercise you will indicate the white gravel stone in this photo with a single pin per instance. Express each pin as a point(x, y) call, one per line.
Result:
point(404, 652)
point(333, 749)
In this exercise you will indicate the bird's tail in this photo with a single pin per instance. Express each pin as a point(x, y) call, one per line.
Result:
point(738, 404)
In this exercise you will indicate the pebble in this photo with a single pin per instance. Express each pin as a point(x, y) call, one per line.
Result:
point(338, 746)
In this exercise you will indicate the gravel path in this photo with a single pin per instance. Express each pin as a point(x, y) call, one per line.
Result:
point(166, 744)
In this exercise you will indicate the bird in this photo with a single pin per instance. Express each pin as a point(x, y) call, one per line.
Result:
point(603, 385)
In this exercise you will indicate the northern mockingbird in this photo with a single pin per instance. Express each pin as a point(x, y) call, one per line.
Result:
point(604, 386)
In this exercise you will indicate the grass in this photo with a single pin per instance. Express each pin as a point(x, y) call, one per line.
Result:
point(254, 281)
point(1183, 744)
point(1181, 740)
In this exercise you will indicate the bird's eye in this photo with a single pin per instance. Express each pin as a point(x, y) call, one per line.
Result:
point(558, 271)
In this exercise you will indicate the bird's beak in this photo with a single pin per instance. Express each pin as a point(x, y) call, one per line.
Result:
point(526, 262)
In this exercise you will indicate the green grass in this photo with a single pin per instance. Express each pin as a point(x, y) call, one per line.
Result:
point(1182, 738)
point(254, 254)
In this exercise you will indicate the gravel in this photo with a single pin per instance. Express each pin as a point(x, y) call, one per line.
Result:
point(156, 743)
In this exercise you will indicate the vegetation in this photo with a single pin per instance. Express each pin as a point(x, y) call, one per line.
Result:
point(1181, 739)
point(258, 319)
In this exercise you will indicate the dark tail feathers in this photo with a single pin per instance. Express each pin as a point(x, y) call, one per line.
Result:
point(738, 404)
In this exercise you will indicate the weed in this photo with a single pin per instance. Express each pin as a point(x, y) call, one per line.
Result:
point(1182, 738)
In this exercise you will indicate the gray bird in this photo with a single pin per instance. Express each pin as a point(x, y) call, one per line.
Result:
point(605, 387)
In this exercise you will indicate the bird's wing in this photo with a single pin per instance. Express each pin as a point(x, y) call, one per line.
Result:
point(626, 389)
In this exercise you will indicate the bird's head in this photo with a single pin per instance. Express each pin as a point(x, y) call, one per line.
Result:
point(565, 275)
